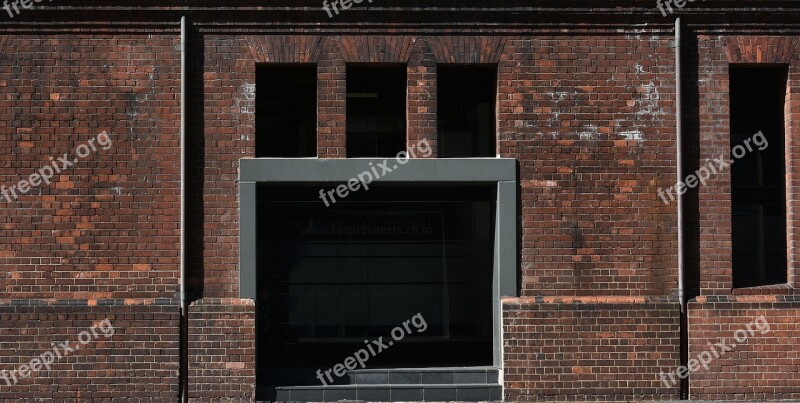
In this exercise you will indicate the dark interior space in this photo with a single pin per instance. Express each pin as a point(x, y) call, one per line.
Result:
point(691, 163)
point(466, 107)
point(758, 184)
point(376, 110)
point(690, 144)
point(330, 278)
point(286, 114)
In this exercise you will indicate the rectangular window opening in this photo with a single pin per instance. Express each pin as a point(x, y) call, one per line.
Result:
point(758, 176)
point(286, 111)
point(466, 109)
point(376, 110)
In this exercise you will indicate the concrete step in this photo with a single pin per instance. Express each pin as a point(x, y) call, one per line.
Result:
point(424, 376)
point(391, 393)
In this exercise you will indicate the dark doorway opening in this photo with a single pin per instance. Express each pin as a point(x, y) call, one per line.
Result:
point(376, 110)
point(758, 184)
point(286, 114)
point(330, 278)
point(466, 107)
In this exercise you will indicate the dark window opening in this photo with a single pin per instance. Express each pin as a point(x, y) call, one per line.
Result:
point(758, 178)
point(376, 111)
point(331, 277)
point(466, 110)
point(286, 111)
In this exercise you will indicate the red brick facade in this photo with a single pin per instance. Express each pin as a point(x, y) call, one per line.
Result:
point(764, 365)
point(615, 345)
point(138, 361)
point(221, 345)
point(586, 103)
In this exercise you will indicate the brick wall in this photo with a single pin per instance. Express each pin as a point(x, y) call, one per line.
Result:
point(588, 113)
point(107, 227)
point(547, 115)
point(595, 139)
point(331, 101)
point(101, 239)
point(422, 97)
point(222, 350)
point(227, 116)
point(137, 359)
point(760, 365)
point(589, 348)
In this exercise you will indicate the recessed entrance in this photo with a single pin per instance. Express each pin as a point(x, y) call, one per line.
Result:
point(434, 241)
point(331, 277)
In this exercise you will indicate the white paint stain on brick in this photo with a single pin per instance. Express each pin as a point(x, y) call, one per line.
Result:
point(631, 135)
point(249, 90)
point(591, 134)
point(245, 103)
point(559, 95)
point(647, 104)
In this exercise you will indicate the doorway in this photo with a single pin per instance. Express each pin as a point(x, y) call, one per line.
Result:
point(331, 277)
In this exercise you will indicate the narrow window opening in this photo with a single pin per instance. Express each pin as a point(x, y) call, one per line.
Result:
point(376, 110)
point(758, 177)
point(286, 116)
point(466, 109)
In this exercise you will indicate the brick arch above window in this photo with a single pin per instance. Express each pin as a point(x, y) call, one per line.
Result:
point(285, 48)
point(760, 49)
point(376, 49)
point(467, 50)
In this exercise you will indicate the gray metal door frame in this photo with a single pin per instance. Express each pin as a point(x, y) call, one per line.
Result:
point(499, 171)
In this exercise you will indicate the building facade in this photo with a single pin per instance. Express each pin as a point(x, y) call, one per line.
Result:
point(382, 200)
